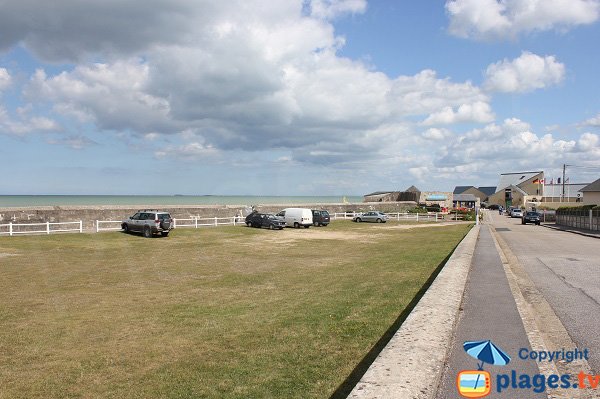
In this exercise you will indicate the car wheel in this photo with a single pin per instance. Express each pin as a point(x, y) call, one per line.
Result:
point(147, 232)
point(248, 224)
point(537, 223)
point(307, 226)
point(358, 220)
point(523, 222)
point(164, 233)
point(296, 225)
point(378, 220)
point(271, 227)
point(125, 228)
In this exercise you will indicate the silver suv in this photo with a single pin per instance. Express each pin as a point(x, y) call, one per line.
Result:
point(149, 222)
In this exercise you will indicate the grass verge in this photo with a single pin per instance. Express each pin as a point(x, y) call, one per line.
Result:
point(231, 312)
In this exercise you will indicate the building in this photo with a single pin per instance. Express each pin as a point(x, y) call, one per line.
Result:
point(469, 201)
point(483, 193)
point(381, 196)
point(553, 192)
point(591, 193)
point(518, 189)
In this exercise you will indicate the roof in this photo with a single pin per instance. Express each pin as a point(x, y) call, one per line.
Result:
point(514, 179)
point(461, 189)
point(378, 193)
point(464, 197)
point(413, 189)
point(592, 187)
point(517, 188)
point(487, 190)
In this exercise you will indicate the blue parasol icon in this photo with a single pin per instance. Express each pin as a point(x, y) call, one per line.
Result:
point(487, 352)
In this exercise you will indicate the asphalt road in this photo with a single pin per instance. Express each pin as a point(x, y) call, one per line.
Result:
point(565, 268)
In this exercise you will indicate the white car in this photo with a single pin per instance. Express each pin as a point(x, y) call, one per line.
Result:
point(296, 217)
point(516, 213)
point(372, 216)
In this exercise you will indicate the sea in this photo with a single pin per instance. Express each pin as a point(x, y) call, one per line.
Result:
point(7, 201)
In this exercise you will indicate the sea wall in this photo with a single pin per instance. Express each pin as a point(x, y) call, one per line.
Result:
point(89, 214)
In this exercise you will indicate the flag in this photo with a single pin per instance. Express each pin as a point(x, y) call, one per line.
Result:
point(536, 181)
point(558, 182)
point(552, 181)
point(541, 181)
point(567, 180)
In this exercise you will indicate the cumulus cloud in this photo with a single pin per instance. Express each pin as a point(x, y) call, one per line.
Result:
point(500, 19)
point(594, 121)
point(329, 9)
point(436, 134)
point(479, 112)
point(23, 123)
point(512, 145)
point(5, 79)
point(523, 74)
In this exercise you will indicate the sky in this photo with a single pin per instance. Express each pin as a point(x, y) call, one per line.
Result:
point(294, 97)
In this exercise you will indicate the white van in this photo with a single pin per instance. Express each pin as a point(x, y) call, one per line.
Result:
point(297, 217)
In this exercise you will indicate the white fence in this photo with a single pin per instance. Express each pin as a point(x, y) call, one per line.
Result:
point(40, 228)
point(178, 223)
point(111, 225)
point(423, 217)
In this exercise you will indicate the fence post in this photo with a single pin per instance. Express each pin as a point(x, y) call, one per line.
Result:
point(81, 226)
point(215, 221)
point(234, 220)
point(591, 219)
point(174, 222)
point(10, 233)
point(97, 226)
point(436, 216)
point(196, 222)
point(47, 227)
point(417, 216)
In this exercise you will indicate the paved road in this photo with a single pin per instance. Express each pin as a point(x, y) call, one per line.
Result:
point(489, 312)
point(565, 268)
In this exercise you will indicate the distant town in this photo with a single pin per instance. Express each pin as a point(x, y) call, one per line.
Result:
point(519, 189)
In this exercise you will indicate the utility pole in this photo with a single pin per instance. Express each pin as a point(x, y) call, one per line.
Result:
point(563, 182)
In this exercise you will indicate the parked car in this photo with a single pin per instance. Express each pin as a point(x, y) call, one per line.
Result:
point(320, 218)
point(149, 222)
point(267, 220)
point(531, 217)
point(516, 213)
point(296, 217)
point(371, 216)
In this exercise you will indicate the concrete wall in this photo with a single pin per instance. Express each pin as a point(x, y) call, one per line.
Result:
point(89, 214)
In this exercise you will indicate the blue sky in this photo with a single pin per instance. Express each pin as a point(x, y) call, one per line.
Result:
point(322, 97)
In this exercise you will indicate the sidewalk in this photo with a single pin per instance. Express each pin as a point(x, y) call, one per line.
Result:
point(488, 312)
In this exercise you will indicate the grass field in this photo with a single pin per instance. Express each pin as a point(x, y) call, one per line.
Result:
point(228, 312)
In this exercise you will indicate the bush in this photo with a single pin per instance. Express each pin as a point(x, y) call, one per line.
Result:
point(417, 210)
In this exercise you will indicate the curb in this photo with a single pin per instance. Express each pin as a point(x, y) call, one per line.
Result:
point(581, 233)
point(411, 365)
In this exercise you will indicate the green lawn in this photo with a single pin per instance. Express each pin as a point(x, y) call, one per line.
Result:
point(228, 312)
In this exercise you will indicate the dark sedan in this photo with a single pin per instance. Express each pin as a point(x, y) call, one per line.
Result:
point(270, 221)
point(531, 217)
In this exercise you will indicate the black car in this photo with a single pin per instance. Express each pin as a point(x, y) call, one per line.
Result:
point(530, 217)
point(268, 220)
point(320, 218)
